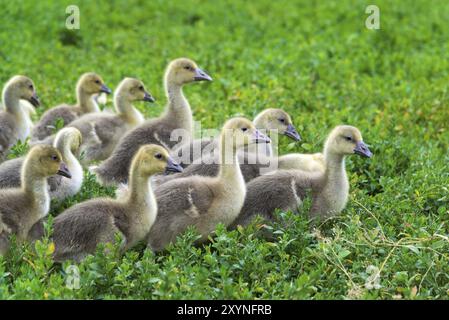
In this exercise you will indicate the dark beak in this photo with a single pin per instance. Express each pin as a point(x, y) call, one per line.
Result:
point(362, 149)
point(259, 137)
point(292, 133)
point(148, 97)
point(105, 89)
point(172, 166)
point(200, 75)
point(64, 171)
point(34, 100)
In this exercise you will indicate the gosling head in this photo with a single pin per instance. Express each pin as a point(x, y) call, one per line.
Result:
point(277, 119)
point(46, 161)
point(182, 71)
point(152, 159)
point(22, 87)
point(91, 83)
point(242, 132)
point(133, 90)
point(347, 140)
point(68, 137)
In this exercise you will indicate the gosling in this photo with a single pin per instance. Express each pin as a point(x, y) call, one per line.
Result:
point(80, 229)
point(15, 122)
point(286, 189)
point(89, 85)
point(67, 141)
point(177, 116)
point(22, 208)
point(204, 202)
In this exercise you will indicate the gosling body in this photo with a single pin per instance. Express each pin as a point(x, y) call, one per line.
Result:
point(286, 189)
point(302, 161)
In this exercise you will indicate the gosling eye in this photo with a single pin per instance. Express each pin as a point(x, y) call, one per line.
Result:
point(54, 158)
point(188, 67)
point(158, 156)
point(141, 88)
point(31, 86)
point(348, 138)
point(97, 81)
point(282, 120)
point(244, 129)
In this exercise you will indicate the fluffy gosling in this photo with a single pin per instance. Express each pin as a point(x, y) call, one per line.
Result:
point(15, 122)
point(89, 85)
point(67, 142)
point(286, 189)
point(204, 202)
point(22, 208)
point(177, 115)
point(79, 229)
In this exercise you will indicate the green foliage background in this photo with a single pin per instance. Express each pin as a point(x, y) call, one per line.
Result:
point(316, 60)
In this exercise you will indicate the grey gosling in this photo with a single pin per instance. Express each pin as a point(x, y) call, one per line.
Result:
point(204, 202)
point(15, 123)
point(80, 229)
point(286, 189)
point(67, 142)
point(89, 85)
point(178, 115)
point(22, 208)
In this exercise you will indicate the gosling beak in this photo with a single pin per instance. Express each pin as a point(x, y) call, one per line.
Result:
point(362, 149)
point(34, 100)
point(259, 137)
point(148, 97)
point(292, 133)
point(64, 171)
point(200, 75)
point(172, 166)
point(105, 89)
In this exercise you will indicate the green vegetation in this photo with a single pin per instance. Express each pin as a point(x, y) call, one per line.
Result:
point(317, 61)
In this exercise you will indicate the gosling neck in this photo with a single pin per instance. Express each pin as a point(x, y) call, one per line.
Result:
point(229, 164)
point(11, 102)
point(65, 149)
point(178, 109)
point(335, 166)
point(126, 110)
point(140, 191)
point(86, 101)
point(31, 184)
